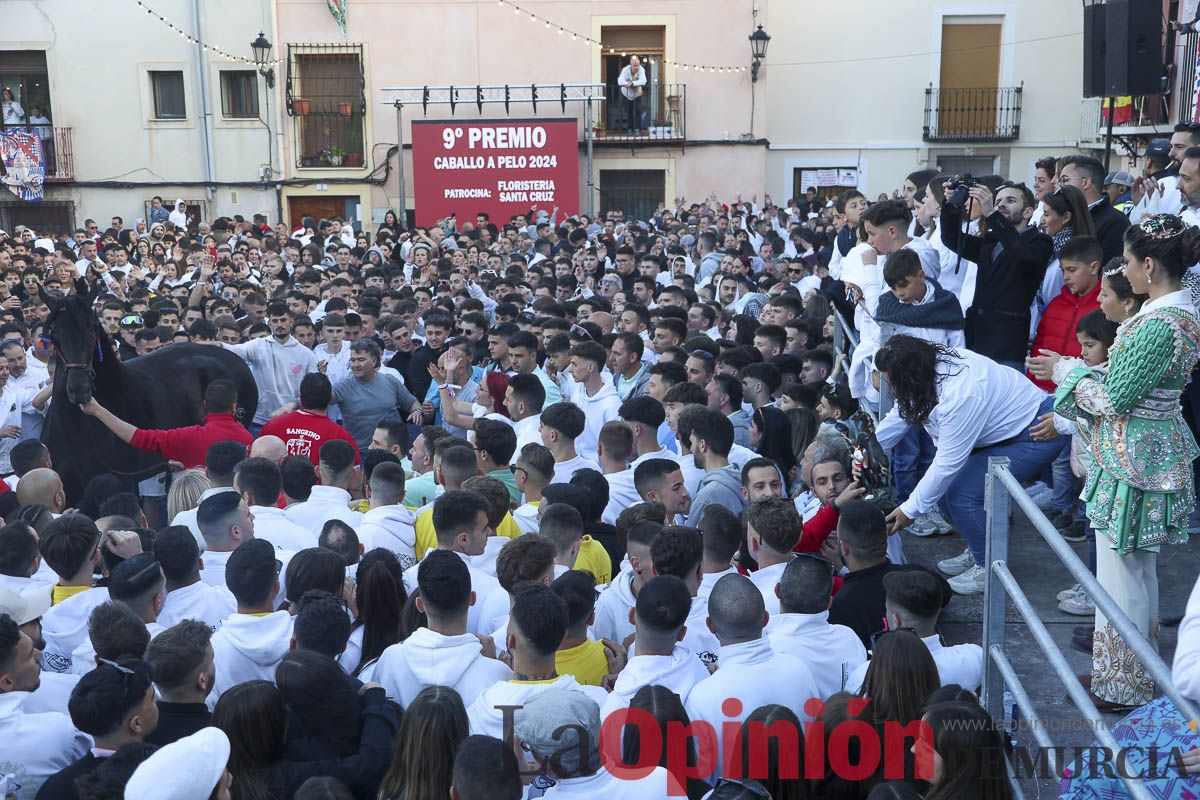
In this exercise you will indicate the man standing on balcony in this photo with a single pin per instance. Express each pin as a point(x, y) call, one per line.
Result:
point(632, 81)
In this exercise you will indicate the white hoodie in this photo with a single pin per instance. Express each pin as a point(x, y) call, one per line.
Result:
point(209, 604)
point(271, 525)
point(656, 785)
point(485, 713)
point(65, 625)
point(679, 672)
point(389, 527)
point(36, 746)
point(598, 409)
point(248, 648)
point(613, 607)
point(325, 503)
point(754, 675)
point(482, 585)
point(277, 369)
point(429, 658)
point(831, 652)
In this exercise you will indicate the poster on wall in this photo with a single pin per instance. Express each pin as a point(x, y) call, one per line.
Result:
point(24, 164)
point(501, 167)
point(841, 176)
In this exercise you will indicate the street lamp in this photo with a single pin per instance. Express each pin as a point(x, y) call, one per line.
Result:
point(262, 52)
point(758, 49)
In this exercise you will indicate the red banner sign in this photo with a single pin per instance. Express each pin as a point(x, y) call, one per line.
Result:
point(502, 167)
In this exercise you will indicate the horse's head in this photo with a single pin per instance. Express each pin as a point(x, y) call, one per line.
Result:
point(75, 332)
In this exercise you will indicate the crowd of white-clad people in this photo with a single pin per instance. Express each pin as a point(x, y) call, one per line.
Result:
point(522, 499)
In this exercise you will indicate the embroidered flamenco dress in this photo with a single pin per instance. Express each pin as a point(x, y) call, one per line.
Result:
point(1139, 490)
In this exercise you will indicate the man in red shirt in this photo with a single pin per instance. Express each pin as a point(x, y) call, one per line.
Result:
point(189, 445)
point(309, 427)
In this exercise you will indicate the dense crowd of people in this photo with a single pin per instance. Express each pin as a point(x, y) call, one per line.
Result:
point(606, 477)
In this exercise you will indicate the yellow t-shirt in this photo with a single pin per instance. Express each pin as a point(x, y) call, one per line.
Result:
point(426, 536)
point(586, 662)
point(60, 593)
point(594, 558)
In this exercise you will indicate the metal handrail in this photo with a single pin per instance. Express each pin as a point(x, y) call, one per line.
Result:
point(1001, 585)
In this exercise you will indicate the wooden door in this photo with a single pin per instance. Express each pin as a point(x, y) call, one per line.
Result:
point(968, 95)
point(317, 206)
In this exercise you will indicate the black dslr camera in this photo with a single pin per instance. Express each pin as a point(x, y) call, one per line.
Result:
point(959, 189)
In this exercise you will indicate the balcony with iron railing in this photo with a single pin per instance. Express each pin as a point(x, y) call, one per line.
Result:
point(660, 113)
point(973, 115)
point(57, 148)
point(325, 95)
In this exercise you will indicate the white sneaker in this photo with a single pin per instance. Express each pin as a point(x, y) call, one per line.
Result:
point(957, 565)
point(922, 526)
point(970, 582)
point(1080, 605)
point(1066, 594)
point(939, 522)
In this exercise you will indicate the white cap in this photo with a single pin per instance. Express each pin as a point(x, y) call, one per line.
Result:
point(184, 770)
point(27, 606)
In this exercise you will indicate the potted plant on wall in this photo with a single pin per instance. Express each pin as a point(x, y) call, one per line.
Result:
point(345, 108)
point(301, 106)
point(336, 156)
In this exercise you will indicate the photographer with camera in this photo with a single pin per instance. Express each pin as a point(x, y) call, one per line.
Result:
point(1011, 258)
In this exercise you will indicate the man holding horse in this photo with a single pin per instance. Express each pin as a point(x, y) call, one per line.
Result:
point(186, 446)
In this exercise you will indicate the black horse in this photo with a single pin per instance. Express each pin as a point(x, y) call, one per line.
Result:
point(164, 389)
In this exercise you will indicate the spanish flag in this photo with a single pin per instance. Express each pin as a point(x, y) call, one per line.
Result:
point(1123, 113)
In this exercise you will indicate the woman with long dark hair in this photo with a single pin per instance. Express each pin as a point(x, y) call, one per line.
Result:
point(974, 408)
point(379, 597)
point(771, 437)
point(667, 710)
point(434, 725)
point(967, 754)
point(324, 709)
point(900, 675)
point(784, 778)
point(1140, 490)
point(1065, 215)
point(252, 715)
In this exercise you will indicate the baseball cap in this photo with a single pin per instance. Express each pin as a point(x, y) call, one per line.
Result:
point(27, 606)
point(1118, 178)
point(551, 723)
point(187, 769)
point(1159, 148)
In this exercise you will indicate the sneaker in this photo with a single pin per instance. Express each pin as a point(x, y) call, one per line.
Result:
point(970, 582)
point(1080, 605)
point(921, 526)
point(1074, 532)
point(939, 522)
point(957, 565)
point(1061, 519)
point(1074, 591)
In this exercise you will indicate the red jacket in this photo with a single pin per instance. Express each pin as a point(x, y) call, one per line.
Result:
point(189, 445)
point(305, 431)
point(1056, 331)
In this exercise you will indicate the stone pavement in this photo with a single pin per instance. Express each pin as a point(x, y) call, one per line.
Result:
point(1042, 576)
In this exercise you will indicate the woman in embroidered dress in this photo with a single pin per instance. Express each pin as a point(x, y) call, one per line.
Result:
point(1139, 490)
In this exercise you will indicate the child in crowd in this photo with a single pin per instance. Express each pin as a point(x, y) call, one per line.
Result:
point(835, 407)
point(1079, 260)
point(1095, 334)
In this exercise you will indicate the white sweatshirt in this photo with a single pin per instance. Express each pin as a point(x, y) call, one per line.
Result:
point(831, 652)
point(428, 658)
point(65, 625)
point(485, 715)
point(211, 605)
point(679, 672)
point(248, 648)
point(389, 527)
point(325, 503)
point(612, 609)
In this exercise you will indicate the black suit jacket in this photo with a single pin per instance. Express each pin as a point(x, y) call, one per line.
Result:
point(177, 721)
point(1110, 227)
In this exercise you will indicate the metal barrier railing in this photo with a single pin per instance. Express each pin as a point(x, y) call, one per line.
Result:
point(1001, 586)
